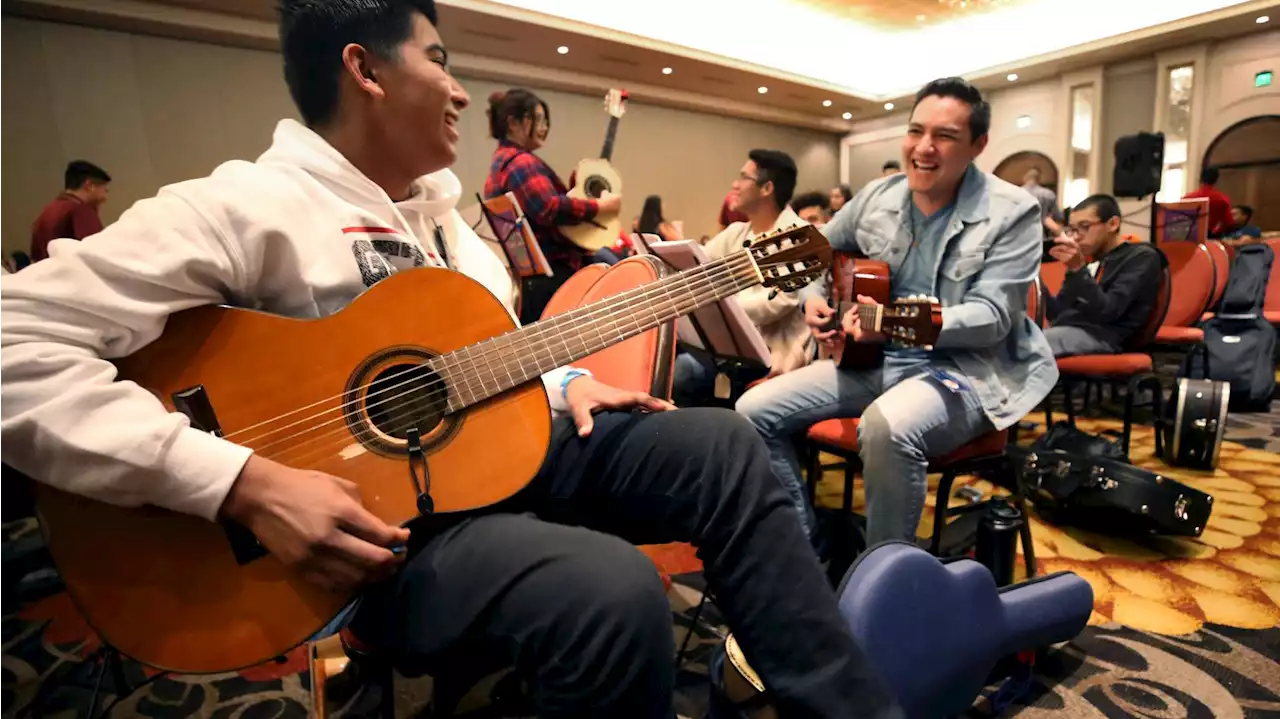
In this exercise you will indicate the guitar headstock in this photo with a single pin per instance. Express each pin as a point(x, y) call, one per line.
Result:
point(914, 321)
point(615, 102)
point(791, 258)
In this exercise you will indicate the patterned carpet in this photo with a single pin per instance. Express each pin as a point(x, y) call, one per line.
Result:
point(1180, 628)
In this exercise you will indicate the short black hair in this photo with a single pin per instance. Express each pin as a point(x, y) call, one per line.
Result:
point(1209, 176)
point(313, 33)
point(1105, 205)
point(845, 191)
point(960, 89)
point(777, 167)
point(79, 171)
point(1246, 210)
point(890, 165)
point(811, 199)
point(517, 103)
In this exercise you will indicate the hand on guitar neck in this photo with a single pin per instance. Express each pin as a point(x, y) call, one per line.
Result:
point(827, 324)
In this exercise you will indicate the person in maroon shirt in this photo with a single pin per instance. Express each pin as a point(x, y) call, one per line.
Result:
point(74, 213)
point(1220, 222)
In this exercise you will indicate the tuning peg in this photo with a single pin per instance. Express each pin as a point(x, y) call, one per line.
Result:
point(933, 300)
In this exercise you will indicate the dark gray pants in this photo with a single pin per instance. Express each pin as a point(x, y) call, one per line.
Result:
point(582, 613)
point(1069, 341)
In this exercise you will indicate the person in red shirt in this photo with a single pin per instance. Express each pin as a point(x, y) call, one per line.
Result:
point(1219, 206)
point(74, 213)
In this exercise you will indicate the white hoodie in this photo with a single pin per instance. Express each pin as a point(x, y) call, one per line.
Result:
point(301, 232)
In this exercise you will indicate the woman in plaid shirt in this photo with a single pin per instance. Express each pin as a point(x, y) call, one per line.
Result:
point(519, 120)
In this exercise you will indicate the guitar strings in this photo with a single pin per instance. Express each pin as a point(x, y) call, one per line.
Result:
point(541, 335)
point(311, 453)
point(680, 302)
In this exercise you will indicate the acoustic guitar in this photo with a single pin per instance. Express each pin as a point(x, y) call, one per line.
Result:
point(422, 391)
point(593, 178)
point(908, 322)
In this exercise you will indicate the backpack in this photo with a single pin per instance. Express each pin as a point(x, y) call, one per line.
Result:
point(1239, 343)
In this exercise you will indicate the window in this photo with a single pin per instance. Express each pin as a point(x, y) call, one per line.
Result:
point(1081, 150)
point(1176, 126)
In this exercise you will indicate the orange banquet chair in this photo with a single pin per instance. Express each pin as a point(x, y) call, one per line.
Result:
point(1133, 365)
point(839, 437)
point(1193, 278)
point(1221, 270)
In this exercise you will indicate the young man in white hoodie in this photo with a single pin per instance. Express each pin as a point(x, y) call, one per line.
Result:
point(361, 191)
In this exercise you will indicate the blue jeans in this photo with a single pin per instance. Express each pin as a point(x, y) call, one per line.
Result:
point(902, 426)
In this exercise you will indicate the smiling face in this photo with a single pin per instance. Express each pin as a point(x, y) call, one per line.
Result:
point(748, 192)
point(530, 131)
point(939, 146)
point(421, 102)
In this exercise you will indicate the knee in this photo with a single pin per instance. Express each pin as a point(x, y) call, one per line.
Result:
point(755, 407)
point(879, 432)
point(622, 595)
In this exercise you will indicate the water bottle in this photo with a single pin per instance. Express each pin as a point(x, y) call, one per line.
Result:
point(998, 540)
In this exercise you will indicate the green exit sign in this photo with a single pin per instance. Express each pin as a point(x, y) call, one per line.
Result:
point(1262, 79)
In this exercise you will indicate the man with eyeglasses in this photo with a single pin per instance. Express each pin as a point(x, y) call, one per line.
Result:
point(1096, 313)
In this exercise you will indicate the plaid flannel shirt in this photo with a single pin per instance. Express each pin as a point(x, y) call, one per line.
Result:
point(544, 199)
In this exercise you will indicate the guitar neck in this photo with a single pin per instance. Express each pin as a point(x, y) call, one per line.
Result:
point(477, 372)
point(606, 152)
point(869, 316)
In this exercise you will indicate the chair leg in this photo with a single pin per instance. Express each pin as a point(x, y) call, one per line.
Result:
point(943, 499)
point(1153, 385)
point(693, 625)
point(1048, 411)
point(1068, 400)
point(1134, 384)
point(815, 473)
point(849, 474)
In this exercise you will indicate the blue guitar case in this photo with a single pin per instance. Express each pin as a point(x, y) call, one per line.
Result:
point(933, 629)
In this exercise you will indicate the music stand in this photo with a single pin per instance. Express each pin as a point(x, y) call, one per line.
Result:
point(723, 329)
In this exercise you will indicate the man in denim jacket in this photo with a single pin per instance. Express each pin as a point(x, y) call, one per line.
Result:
point(946, 230)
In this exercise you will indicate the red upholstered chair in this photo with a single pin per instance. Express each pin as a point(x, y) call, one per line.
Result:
point(1271, 305)
point(1052, 275)
point(571, 292)
point(1221, 272)
point(1133, 366)
point(1035, 304)
point(1194, 283)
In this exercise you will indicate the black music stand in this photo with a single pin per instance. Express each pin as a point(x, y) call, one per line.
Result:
point(721, 330)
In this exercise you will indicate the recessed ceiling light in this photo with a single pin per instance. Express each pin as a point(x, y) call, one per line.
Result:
point(563, 49)
point(921, 18)
point(1263, 19)
point(1012, 77)
point(826, 103)
point(762, 89)
point(847, 116)
point(667, 71)
point(1024, 121)
point(888, 106)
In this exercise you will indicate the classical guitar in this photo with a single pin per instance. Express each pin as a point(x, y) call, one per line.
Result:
point(596, 176)
point(422, 391)
point(909, 322)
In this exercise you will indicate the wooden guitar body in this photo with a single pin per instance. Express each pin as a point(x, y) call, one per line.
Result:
point(594, 177)
point(170, 589)
point(852, 276)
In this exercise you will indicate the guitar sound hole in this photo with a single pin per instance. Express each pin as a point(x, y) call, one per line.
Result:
point(405, 396)
point(596, 186)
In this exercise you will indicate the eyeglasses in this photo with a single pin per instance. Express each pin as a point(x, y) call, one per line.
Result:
point(748, 178)
point(1080, 229)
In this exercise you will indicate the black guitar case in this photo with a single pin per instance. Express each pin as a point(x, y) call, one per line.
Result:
point(1193, 435)
point(1111, 497)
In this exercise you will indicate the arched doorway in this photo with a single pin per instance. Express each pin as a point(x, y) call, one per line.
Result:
point(1014, 167)
point(1247, 156)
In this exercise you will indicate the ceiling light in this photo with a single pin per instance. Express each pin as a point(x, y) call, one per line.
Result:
point(762, 89)
point(667, 71)
point(1012, 77)
point(888, 106)
point(826, 103)
point(1263, 19)
point(1024, 121)
point(847, 116)
point(563, 49)
point(921, 18)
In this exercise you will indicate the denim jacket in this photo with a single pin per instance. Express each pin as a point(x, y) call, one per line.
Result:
point(983, 276)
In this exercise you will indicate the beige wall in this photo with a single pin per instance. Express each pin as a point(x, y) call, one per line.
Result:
point(1129, 102)
point(154, 111)
point(1231, 94)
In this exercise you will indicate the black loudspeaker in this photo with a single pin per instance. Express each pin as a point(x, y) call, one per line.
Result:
point(1139, 162)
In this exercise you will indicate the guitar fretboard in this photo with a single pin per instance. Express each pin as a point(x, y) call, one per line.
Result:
point(477, 372)
point(869, 316)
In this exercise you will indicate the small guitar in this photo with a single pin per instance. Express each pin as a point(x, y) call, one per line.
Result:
point(404, 392)
point(596, 176)
point(910, 322)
